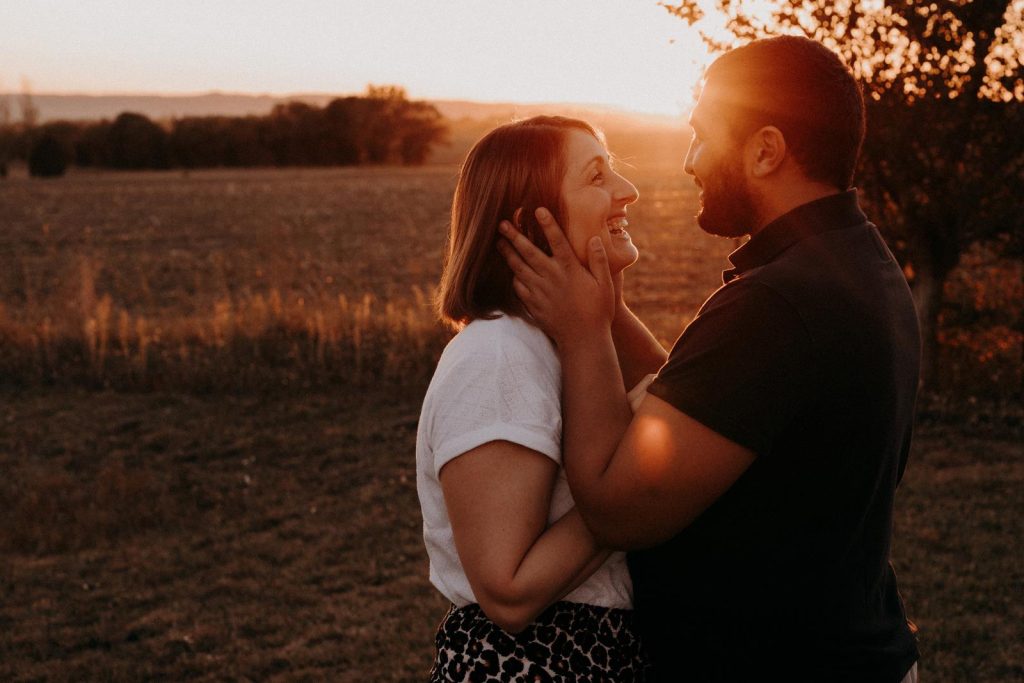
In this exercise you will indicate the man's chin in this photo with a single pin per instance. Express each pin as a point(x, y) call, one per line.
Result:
point(719, 228)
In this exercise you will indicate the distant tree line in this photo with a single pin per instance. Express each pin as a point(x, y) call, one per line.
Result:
point(381, 126)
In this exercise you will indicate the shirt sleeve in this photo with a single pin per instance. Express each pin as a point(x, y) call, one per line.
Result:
point(635, 396)
point(743, 367)
point(504, 392)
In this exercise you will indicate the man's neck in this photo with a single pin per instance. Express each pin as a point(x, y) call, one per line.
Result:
point(783, 198)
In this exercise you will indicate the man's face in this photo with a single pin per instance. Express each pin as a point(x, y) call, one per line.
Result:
point(715, 161)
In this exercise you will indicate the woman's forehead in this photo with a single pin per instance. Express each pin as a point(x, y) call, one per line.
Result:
point(582, 148)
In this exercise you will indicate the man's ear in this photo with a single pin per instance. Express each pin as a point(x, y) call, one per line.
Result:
point(765, 151)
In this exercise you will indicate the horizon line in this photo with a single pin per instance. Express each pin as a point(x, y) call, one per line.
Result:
point(317, 93)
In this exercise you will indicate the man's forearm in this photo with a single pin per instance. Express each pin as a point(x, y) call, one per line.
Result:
point(639, 353)
point(595, 417)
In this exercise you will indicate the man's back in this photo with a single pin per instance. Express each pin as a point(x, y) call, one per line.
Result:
point(809, 357)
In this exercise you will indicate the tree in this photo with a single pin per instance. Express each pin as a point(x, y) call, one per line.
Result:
point(297, 133)
point(381, 127)
point(91, 147)
point(943, 162)
point(7, 134)
point(52, 148)
point(392, 128)
point(377, 119)
point(29, 110)
point(135, 142)
point(48, 157)
point(419, 127)
point(341, 120)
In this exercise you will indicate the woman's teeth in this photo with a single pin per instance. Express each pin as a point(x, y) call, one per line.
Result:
point(617, 227)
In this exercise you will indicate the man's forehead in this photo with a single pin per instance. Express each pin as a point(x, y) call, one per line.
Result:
point(704, 111)
point(714, 95)
point(722, 95)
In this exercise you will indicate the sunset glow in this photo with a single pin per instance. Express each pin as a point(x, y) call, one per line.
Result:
point(627, 54)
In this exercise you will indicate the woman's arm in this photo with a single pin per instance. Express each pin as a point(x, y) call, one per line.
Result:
point(498, 496)
point(639, 352)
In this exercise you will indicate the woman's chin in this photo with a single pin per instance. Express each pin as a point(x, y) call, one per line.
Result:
point(623, 257)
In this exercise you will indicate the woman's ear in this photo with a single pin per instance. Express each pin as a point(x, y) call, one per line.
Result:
point(766, 150)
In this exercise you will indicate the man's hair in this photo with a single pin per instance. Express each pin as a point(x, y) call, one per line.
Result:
point(518, 165)
point(802, 88)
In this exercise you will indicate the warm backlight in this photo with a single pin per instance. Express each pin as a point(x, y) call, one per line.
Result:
point(630, 54)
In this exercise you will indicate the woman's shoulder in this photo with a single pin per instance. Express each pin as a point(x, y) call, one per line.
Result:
point(503, 335)
point(502, 359)
point(503, 349)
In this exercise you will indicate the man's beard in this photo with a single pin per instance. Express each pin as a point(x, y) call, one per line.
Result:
point(728, 208)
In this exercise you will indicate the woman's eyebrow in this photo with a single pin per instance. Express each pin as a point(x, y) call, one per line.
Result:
point(596, 159)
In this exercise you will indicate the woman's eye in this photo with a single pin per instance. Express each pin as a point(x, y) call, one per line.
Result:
point(598, 177)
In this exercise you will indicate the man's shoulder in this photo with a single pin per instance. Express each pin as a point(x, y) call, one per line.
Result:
point(835, 265)
point(745, 299)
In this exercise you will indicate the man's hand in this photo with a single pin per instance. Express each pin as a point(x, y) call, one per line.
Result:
point(567, 300)
point(618, 284)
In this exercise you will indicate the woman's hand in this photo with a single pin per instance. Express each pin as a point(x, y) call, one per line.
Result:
point(567, 300)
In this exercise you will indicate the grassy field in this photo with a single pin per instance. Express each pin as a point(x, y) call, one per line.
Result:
point(209, 387)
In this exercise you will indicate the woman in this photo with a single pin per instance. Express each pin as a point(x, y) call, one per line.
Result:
point(532, 593)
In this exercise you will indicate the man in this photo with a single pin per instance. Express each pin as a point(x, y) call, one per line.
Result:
point(755, 483)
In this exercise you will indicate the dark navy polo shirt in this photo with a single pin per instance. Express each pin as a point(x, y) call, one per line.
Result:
point(809, 356)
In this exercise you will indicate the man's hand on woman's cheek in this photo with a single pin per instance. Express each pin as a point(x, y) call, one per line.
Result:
point(566, 299)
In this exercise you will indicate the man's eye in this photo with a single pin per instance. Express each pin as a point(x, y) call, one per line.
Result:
point(597, 177)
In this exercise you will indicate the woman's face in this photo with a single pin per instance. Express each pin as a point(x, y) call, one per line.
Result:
point(594, 200)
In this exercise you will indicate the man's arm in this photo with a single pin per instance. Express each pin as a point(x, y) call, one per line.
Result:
point(668, 468)
point(665, 472)
point(636, 481)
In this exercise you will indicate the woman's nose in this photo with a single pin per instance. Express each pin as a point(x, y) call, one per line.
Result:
point(627, 191)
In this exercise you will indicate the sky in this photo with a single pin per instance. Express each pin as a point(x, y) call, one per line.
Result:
point(626, 53)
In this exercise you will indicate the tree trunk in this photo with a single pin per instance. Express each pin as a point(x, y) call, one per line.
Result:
point(927, 291)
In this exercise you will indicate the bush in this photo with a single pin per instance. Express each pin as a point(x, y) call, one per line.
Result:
point(47, 158)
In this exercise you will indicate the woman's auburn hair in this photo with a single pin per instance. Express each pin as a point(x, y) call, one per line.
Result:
point(519, 165)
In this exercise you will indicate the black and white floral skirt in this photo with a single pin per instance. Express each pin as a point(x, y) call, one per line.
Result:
point(567, 642)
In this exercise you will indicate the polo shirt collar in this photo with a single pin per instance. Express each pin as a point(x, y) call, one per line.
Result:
point(828, 213)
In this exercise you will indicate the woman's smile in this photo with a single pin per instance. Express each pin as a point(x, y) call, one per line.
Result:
point(594, 198)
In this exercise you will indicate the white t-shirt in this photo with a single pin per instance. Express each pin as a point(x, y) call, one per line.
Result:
point(497, 380)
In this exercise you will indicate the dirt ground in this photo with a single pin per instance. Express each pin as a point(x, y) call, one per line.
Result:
point(175, 537)
point(184, 537)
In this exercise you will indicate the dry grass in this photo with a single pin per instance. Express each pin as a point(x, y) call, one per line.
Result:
point(247, 279)
point(225, 282)
point(244, 280)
